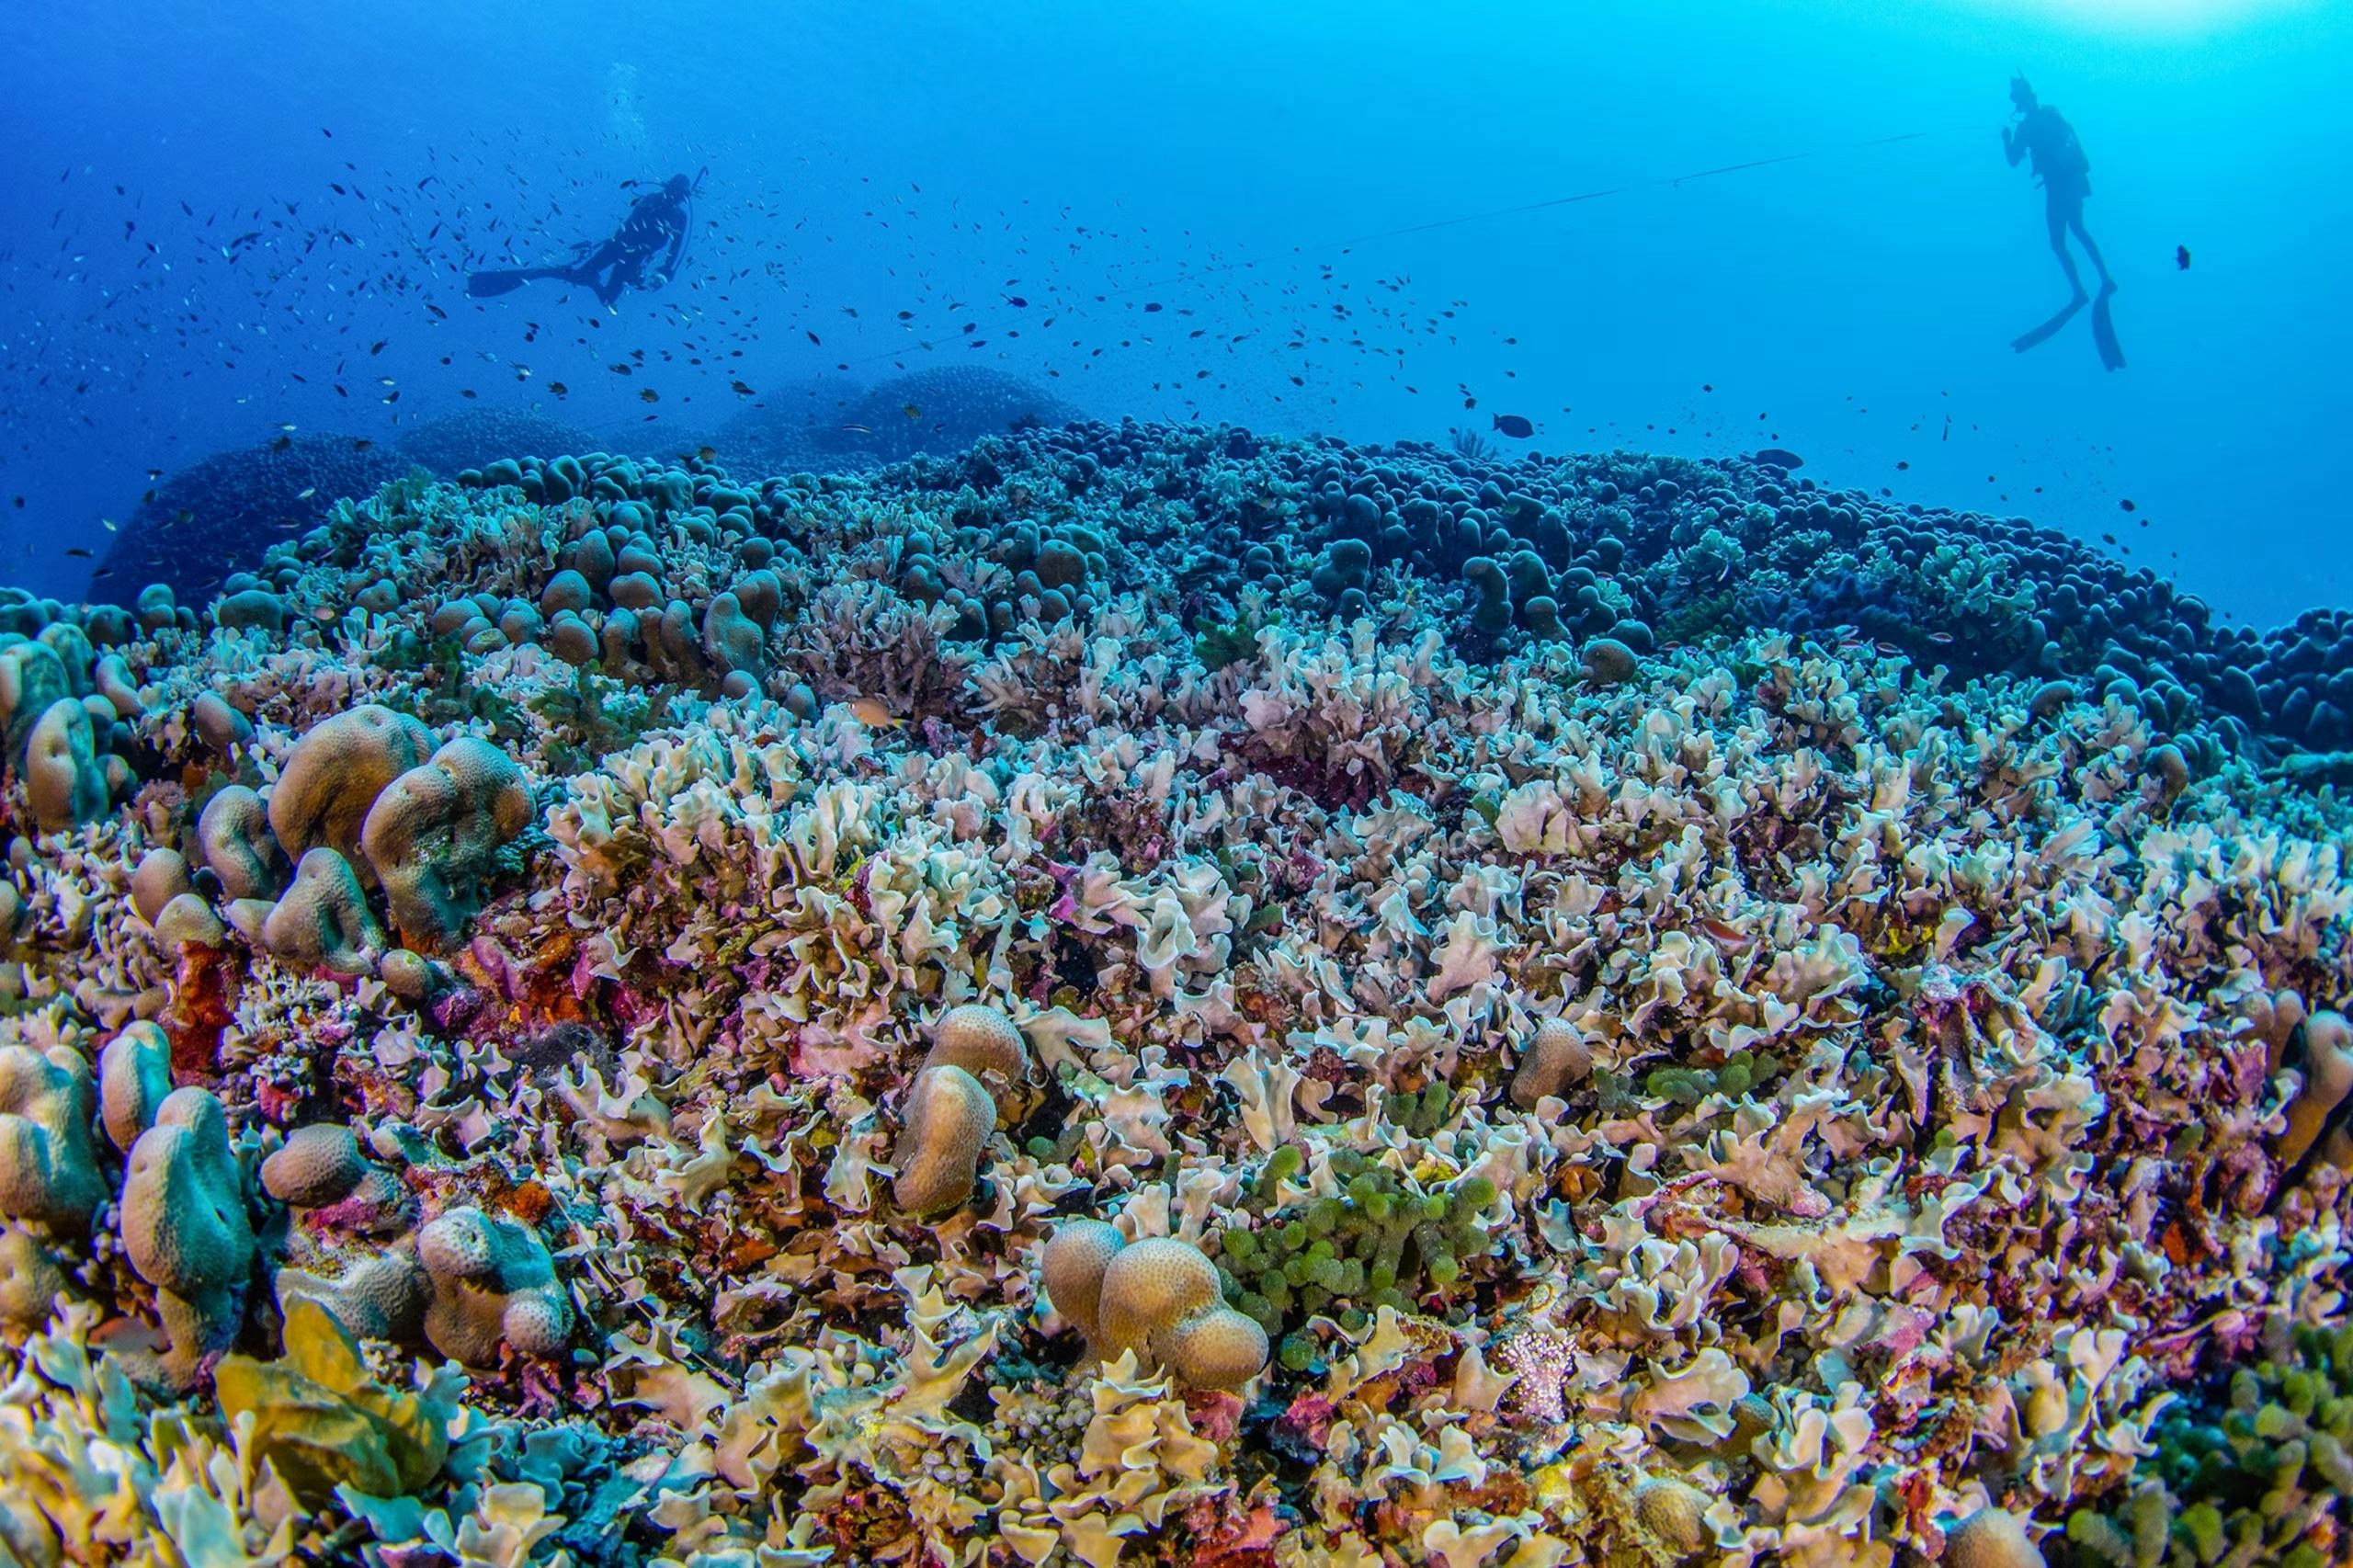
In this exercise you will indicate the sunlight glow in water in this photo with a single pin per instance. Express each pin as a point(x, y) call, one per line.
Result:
point(2127, 16)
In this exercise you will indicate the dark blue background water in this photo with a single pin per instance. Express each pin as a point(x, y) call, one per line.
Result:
point(1094, 160)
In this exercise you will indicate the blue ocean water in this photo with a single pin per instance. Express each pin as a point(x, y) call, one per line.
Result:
point(1853, 302)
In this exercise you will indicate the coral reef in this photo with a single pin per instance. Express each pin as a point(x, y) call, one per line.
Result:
point(218, 515)
point(1137, 995)
point(448, 444)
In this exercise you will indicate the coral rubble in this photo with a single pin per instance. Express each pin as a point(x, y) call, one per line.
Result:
point(1145, 995)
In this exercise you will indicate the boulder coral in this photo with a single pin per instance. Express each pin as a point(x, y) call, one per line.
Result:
point(233, 834)
point(49, 1172)
point(1158, 1297)
point(951, 1106)
point(63, 781)
point(493, 1287)
point(337, 771)
point(431, 832)
point(185, 1227)
point(324, 919)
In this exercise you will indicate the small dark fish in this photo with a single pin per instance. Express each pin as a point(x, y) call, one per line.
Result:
point(2128, 505)
point(912, 412)
point(1150, 308)
point(77, 551)
point(1781, 458)
point(1513, 426)
point(649, 395)
point(1016, 301)
point(857, 430)
point(559, 388)
point(2181, 257)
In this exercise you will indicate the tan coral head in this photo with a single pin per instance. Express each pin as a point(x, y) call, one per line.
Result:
point(1158, 1297)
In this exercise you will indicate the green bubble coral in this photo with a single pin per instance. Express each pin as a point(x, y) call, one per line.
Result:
point(1383, 1240)
point(2258, 1469)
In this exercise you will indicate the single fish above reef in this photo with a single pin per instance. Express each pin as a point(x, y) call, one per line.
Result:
point(1780, 456)
point(1513, 426)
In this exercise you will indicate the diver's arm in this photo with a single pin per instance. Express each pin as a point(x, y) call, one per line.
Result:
point(2014, 145)
point(677, 252)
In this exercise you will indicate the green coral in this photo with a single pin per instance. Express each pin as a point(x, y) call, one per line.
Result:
point(323, 1421)
point(1383, 1240)
point(2260, 1476)
point(596, 717)
point(440, 690)
point(1421, 1112)
point(1687, 1086)
point(1219, 643)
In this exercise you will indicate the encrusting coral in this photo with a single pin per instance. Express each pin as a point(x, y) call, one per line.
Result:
point(1579, 1010)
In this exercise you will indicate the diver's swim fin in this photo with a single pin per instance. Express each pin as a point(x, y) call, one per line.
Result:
point(2111, 353)
point(2049, 329)
point(489, 285)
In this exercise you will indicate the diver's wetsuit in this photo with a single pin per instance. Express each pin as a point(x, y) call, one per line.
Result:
point(657, 219)
point(2065, 173)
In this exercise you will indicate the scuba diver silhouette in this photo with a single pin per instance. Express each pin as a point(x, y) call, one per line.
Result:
point(659, 218)
point(2041, 132)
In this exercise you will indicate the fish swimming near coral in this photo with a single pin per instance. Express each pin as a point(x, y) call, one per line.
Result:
point(1513, 426)
point(1780, 456)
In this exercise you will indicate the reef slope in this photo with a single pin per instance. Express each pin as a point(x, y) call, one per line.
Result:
point(1152, 995)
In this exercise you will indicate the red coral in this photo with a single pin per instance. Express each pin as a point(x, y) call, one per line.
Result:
point(1306, 1425)
point(1221, 1540)
point(203, 1001)
point(1215, 1414)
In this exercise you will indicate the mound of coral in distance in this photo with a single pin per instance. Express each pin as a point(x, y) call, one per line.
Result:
point(1149, 995)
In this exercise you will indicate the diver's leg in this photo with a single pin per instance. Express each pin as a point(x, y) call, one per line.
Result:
point(2056, 215)
point(590, 270)
point(2076, 221)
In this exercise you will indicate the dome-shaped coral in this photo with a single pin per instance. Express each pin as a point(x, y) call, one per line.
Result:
point(1158, 1297)
point(978, 1039)
point(1556, 1058)
point(1991, 1538)
point(494, 1284)
point(334, 774)
point(949, 1117)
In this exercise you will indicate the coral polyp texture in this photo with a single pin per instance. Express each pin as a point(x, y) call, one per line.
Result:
point(1145, 995)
